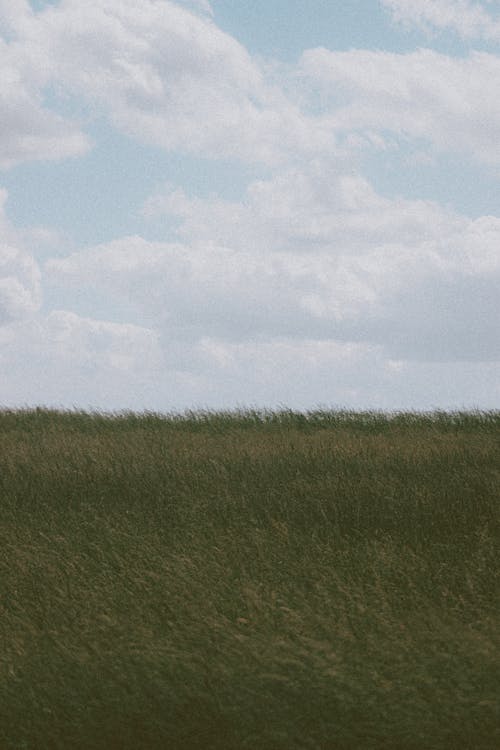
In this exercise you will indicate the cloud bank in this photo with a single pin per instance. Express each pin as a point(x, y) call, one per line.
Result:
point(313, 286)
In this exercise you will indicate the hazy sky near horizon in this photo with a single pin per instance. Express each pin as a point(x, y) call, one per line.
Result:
point(268, 203)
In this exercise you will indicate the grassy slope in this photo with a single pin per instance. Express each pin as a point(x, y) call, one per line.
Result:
point(271, 581)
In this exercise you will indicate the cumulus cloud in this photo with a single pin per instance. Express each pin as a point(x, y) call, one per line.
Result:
point(313, 286)
point(309, 373)
point(470, 20)
point(311, 258)
point(192, 292)
point(19, 284)
point(165, 75)
point(14, 15)
point(62, 358)
point(170, 77)
point(29, 130)
point(53, 138)
point(304, 210)
point(20, 277)
point(449, 102)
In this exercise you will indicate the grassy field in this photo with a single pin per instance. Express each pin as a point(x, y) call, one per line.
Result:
point(253, 580)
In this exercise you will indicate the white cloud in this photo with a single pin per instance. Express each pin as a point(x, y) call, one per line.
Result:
point(54, 137)
point(304, 211)
point(63, 359)
point(196, 291)
point(352, 322)
point(342, 374)
point(311, 288)
point(450, 102)
point(20, 278)
point(14, 17)
point(470, 20)
point(311, 256)
point(29, 131)
point(169, 77)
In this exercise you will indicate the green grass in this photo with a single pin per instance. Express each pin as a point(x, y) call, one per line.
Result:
point(252, 580)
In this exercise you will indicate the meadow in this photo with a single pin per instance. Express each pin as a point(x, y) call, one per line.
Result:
point(249, 581)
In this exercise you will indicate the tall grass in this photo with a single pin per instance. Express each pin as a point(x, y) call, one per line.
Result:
point(242, 580)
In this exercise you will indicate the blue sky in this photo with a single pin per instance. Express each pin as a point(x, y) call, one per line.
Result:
point(267, 203)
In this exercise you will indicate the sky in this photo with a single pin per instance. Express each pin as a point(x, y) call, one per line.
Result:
point(225, 204)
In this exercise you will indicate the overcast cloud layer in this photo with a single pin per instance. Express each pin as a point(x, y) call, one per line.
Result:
point(309, 287)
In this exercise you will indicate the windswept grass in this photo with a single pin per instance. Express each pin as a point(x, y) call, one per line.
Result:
point(251, 580)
